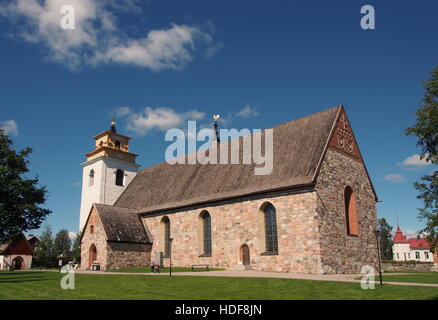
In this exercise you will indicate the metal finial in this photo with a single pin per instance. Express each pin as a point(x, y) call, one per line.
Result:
point(215, 127)
point(113, 124)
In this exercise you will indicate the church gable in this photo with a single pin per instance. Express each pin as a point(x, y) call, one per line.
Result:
point(343, 140)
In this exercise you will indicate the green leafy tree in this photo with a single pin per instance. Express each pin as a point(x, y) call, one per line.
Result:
point(385, 239)
point(45, 253)
point(62, 243)
point(426, 131)
point(76, 248)
point(20, 198)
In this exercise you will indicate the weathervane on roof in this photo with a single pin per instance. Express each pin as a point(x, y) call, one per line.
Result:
point(215, 127)
point(113, 124)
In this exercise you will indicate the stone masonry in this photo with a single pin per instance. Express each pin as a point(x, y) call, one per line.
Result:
point(342, 253)
point(110, 255)
point(240, 222)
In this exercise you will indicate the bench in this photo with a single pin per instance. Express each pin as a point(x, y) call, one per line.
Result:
point(196, 266)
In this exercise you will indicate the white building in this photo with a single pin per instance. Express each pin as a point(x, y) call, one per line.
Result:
point(411, 249)
point(109, 168)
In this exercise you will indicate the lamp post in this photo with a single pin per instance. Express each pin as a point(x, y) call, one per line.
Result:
point(170, 256)
point(377, 233)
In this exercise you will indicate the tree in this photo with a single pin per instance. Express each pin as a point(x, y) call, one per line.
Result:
point(20, 198)
point(62, 243)
point(76, 249)
point(44, 253)
point(426, 130)
point(385, 239)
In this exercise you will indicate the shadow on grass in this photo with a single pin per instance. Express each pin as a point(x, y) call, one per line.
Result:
point(22, 280)
point(14, 277)
point(18, 273)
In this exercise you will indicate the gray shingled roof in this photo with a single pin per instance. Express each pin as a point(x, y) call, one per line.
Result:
point(121, 224)
point(298, 147)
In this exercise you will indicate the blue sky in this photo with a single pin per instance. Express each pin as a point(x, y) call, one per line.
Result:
point(257, 63)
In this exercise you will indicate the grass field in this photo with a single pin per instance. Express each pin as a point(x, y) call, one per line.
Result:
point(46, 285)
point(165, 270)
point(419, 277)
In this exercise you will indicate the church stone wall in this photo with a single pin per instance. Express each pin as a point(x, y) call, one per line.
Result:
point(128, 255)
point(342, 253)
point(97, 238)
point(240, 222)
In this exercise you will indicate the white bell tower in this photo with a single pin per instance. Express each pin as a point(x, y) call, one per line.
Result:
point(109, 169)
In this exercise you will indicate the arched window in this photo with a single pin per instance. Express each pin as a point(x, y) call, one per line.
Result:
point(118, 145)
point(119, 177)
point(165, 236)
point(270, 222)
point(350, 211)
point(91, 178)
point(205, 233)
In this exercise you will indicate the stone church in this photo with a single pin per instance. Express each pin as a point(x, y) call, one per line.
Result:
point(315, 213)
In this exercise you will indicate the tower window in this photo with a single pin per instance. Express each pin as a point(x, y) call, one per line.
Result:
point(91, 178)
point(118, 145)
point(119, 177)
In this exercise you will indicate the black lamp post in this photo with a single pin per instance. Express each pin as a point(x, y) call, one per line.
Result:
point(170, 256)
point(377, 233)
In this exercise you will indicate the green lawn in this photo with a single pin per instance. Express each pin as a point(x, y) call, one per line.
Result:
point(164, 270)
point(420, 277)
point(46, 285)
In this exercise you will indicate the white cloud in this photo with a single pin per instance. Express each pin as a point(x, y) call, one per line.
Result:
point(414, 162)
point(161, 118)
point(248, 112)
point(10, 127)
point(97, 39)
point(122, 111)
point(394, 177)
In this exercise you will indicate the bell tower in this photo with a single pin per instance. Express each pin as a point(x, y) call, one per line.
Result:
point(109, 169)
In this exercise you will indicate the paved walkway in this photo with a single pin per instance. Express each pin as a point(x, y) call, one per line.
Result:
point(264, 274)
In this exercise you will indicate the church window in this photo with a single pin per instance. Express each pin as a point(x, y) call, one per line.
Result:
point(350, 211)
point(270, 222)
point(91, 178)
point(92, 229)
point(417, 254)
point(118, 145)
point(165, 236)
point(426, 255)
point(119, 177)
point(205, 233)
